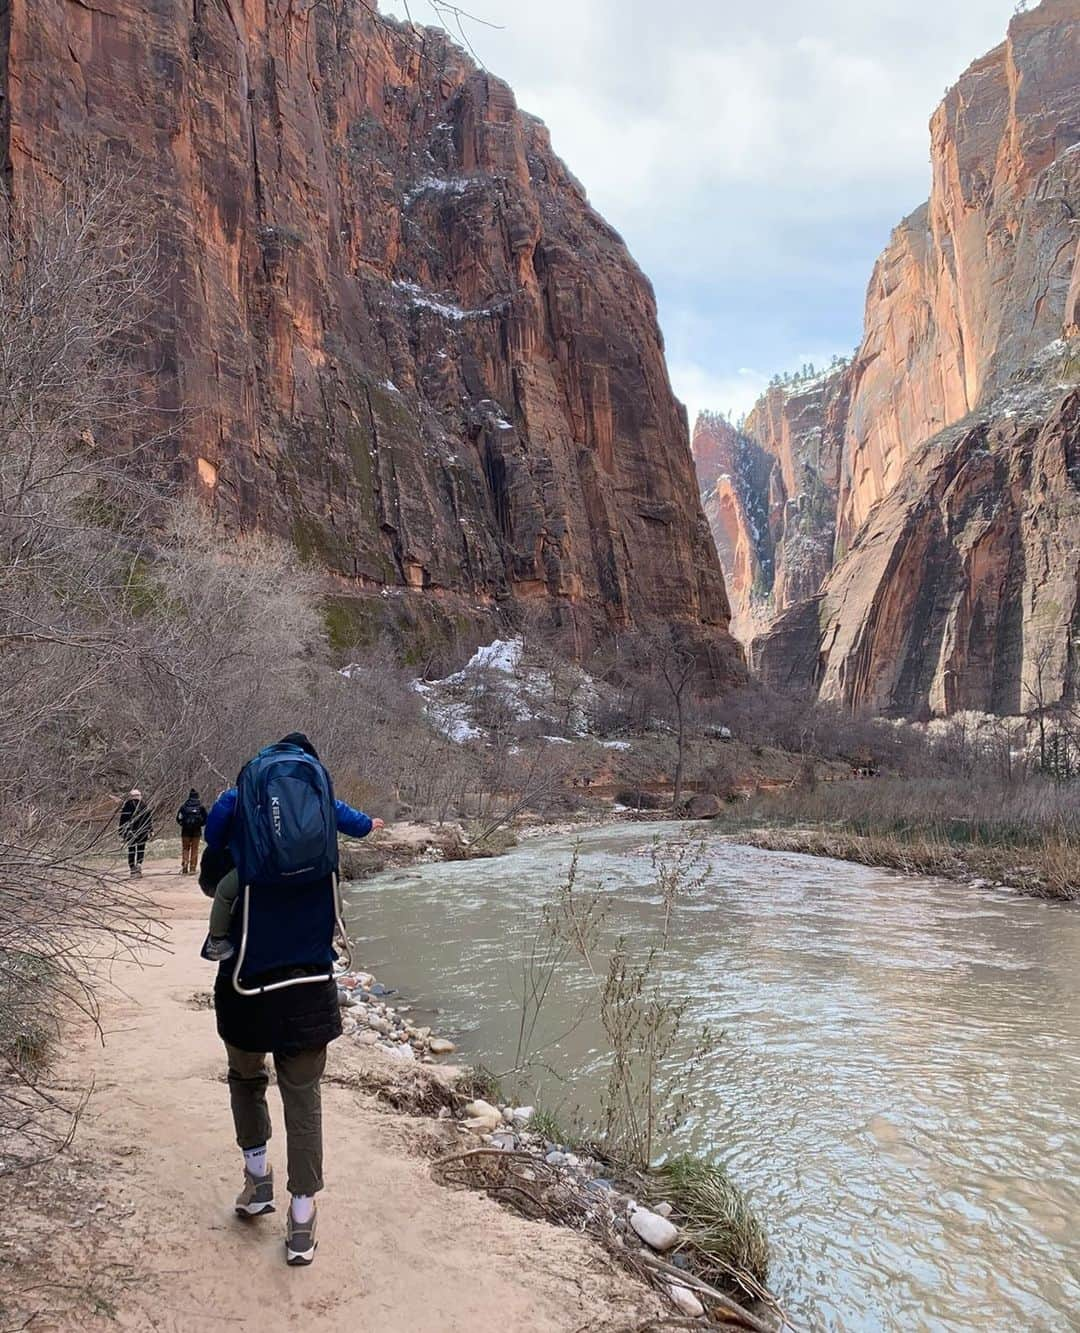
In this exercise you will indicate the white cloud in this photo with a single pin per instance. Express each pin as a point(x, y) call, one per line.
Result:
point(701, 389)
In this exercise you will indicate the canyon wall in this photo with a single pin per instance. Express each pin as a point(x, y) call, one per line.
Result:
point(391, 326)
point(943, 569)
point(976, 282)
point(772, 505)
point(733, 473)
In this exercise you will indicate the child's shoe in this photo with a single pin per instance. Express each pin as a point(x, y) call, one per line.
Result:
point(217, 949)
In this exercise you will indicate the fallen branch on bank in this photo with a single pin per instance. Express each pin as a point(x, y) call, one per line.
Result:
point(528, 1185)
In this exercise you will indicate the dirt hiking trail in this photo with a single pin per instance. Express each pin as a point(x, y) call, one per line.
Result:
point(133, 1227)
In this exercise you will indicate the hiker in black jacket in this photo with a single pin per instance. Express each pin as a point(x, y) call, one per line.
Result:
point(275, 990)
point(191, 817)
point(136, 829)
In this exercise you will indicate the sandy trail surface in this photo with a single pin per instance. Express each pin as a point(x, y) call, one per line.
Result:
point(133, 1228)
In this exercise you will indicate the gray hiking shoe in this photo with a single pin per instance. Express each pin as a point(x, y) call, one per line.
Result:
point(217, 948)
point(257, 1196)
point(300, 1242)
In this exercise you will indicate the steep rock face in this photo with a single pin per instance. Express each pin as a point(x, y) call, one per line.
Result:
point(961, 591)
point(392, 326)
point(771, 504)
point(733, 473)
point(974, 283)
point(953, 532)
point(801, 427)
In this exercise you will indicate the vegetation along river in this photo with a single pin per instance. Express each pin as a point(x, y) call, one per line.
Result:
point(898, 1082)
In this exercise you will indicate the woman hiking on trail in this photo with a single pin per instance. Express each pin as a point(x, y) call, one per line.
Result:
point(275, 990)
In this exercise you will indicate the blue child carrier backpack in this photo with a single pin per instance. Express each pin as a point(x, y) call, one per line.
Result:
point(284, 844)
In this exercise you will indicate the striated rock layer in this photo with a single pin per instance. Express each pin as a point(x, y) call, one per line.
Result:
point(941, 557)
point(393, 326)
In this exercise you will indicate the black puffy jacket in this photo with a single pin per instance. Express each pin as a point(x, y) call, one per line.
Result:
point(136, 821)
point(299, 1018)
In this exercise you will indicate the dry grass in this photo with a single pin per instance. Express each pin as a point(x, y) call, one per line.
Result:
point(728, 1242)
point(530, 1187)
point(1027, 837)
point(413, 1089)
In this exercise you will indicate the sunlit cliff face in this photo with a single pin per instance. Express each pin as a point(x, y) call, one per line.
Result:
point(955, 562)
point(390, 326)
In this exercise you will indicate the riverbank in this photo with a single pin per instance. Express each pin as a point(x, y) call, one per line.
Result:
point(1025, 838)
point(132, 1227)
point(981, 867)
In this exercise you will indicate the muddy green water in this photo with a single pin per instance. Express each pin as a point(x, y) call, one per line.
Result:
point(898, 1087)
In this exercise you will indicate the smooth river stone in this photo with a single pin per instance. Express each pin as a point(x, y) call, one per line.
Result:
point(654, 1230)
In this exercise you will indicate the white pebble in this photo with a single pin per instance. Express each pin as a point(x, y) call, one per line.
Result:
point(653, 1229)
point(685, 1299)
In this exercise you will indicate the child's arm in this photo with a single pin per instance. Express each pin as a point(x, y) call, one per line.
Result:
point(219, 821)
point(225, 896)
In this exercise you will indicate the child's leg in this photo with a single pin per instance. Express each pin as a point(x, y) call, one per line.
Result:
point(225, 896)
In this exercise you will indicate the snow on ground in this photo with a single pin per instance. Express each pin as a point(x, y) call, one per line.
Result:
point(527, 693)
point(447, 715)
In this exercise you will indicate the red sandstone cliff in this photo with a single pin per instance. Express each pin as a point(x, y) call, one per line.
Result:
point(772, 506)
point(949, 497)
point(733, 473)
point(394, 326)
point(976, 282)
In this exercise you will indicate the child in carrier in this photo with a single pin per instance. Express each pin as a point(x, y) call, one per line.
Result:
point(218, 946)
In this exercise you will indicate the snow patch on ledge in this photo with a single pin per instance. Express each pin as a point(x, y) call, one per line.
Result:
point(420, 300)
point(436, 185)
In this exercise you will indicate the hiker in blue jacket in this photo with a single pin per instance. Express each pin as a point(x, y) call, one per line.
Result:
point(279, 996)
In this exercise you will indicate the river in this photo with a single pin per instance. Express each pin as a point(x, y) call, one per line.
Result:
point(898, 1083)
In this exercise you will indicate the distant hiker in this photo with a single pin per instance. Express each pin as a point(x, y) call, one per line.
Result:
point(275, 990)
point(136, 829)
point(191, 817)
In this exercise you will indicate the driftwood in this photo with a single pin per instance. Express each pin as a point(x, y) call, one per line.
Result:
point(732, 1310)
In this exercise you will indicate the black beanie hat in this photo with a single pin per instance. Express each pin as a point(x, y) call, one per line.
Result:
point(298, 739)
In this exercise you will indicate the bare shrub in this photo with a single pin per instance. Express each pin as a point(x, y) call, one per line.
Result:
point(653, 1057)
point(76, 278)
point(1026, 835)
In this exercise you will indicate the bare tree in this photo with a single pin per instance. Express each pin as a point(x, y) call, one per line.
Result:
point(75, 281)
point(662, 652)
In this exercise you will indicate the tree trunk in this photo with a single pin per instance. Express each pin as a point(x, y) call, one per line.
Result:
point(679, 762)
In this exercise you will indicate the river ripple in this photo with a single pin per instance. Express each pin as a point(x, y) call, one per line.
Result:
point(899, 1081)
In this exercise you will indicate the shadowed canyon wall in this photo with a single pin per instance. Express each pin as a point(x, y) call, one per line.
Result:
point(936, 566)
point(392, 327)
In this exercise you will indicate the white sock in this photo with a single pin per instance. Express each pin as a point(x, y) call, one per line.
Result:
point(303, 1208)
point(255, 1160)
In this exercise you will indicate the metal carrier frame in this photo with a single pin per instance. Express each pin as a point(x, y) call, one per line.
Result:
point(291, 981)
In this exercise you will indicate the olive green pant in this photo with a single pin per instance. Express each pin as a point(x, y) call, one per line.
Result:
point(298, 1082)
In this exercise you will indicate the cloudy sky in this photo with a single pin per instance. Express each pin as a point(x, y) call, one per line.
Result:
point(755, 156)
